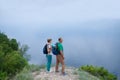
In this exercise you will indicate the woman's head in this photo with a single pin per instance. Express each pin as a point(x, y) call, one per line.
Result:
point(49, 40)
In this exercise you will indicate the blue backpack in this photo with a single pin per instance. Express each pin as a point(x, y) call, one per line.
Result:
point(55, 50)
point(45, 49)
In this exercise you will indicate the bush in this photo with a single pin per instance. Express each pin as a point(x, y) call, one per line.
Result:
point(16, 63)
point(26, 73)
point(11, 59)
point(33, 68)
point(100, 72)
point(3, 75)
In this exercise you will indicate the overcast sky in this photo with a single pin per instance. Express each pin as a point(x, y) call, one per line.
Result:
point(30, 17)
point(44, 13)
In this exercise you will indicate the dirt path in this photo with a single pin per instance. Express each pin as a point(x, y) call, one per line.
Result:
point(43, 75)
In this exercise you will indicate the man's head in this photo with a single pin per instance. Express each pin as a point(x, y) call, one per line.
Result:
point(49, 40)
point(60, 40)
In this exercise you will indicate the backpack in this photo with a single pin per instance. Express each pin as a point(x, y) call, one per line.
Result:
point(55, 50)
point(45, 49)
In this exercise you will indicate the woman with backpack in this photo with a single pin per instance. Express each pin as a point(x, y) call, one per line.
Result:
point(49, 54)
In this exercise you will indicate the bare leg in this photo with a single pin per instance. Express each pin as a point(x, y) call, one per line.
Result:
point(57, 63)
point(61, 60)
point(63, 66)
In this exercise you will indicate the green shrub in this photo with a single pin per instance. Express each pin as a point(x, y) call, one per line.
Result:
point(11, 59)
point(33, 68)
point(100, 72)
point(3, 75)
point(14, 62)
point(26, 73)
point(83, 75)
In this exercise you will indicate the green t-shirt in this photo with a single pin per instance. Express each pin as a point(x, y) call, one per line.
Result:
point(60, 47)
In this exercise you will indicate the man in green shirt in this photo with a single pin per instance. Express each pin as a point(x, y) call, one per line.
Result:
point(60, 57)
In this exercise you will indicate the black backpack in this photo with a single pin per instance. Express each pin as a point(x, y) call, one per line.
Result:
point(45, 49)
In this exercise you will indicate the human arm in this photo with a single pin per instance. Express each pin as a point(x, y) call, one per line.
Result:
point(60, 48)
point(61, 53)
point(49, 48)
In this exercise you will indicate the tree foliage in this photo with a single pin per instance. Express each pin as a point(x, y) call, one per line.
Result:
point(100, 72)
point(23, 49)
point(12, 58)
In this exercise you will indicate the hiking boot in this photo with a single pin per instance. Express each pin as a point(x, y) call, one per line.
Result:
point(64, 74)
point(56, 71)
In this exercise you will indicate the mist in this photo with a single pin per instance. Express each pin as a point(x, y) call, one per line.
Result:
point(95, 43)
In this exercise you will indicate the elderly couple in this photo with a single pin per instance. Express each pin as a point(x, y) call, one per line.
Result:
point(59, 56)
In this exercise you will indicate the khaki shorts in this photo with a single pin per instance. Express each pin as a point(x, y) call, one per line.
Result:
point(60, 59)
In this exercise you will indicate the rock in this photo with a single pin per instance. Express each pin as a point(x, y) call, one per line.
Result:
point(43, 75)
